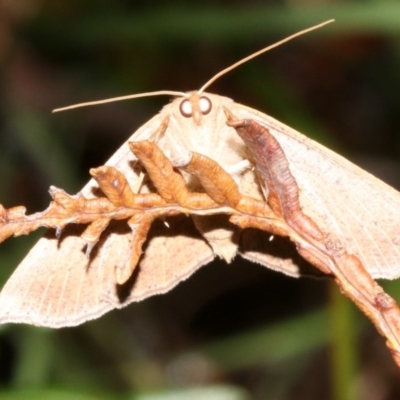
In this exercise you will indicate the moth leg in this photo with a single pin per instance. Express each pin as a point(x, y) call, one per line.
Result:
point(239, 168)
point(159, 132)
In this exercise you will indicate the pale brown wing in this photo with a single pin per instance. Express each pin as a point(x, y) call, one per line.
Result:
point(362, 211)
point(57, 286)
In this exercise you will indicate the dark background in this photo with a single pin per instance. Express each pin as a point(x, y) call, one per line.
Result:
point(231, 331)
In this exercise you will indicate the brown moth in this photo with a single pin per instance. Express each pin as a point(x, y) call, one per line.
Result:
point(57, 285)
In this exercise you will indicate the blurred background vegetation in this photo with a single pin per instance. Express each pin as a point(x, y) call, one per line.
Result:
point(229, 332)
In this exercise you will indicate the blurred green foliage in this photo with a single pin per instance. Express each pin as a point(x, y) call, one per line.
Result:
point(229, 332)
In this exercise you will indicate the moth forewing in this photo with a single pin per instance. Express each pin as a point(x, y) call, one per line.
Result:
point(65, 288)
point(344, 200)
point(56, 285)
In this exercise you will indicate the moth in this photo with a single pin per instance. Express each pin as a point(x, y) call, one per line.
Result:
point(57, 285)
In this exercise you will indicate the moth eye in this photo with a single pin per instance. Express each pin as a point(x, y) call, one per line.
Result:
point(205, 105)
point(186, 108)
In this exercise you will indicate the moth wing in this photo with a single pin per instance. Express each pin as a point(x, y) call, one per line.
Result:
point(56, 285)
point(361, 210)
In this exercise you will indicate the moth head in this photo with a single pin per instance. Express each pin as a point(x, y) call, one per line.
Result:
point(195, 106)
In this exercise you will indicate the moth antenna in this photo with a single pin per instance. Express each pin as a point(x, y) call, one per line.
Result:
point(113, 99)
point(256, 54)
point(206, 85)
